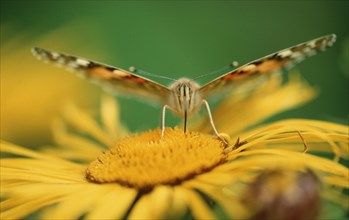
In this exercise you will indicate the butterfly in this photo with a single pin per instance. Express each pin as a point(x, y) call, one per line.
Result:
point(184, 96)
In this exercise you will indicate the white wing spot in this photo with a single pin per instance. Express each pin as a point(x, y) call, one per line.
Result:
point(308, 51)
point(249, 67)
point(285, 53)
point(55, 55)
point(82, 62)
point(298, 56)
point(60, 60)
point(312, 44)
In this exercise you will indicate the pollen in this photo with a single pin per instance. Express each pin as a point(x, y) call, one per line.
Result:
point(146, 160)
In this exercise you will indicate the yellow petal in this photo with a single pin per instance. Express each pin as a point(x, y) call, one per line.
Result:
point(73, 146)
point(113, 204)
point(85, 123)
point(40, 165)
point(39, 176)
point(29, 198)
point(199, 209)
point(265, 157)
point(153, 205)
point(231, 204)
point(178, 205)
point(312, 132)
point(216, 178)
point(76, 204)
point(110, 117)
point(24, 209)
point(14, 149)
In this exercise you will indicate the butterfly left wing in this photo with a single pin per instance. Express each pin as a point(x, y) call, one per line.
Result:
point(283, 59)
point(112, 78)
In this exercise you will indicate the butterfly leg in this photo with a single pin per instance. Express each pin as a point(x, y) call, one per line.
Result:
point(212, 123)
point(163, 119)
point(163, 126)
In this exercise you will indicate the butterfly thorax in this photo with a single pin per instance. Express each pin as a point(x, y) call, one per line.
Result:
point(185, 98)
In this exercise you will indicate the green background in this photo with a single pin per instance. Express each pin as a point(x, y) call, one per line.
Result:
point(191, 38)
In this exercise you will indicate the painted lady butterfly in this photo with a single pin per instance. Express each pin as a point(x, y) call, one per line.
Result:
point(184, 97)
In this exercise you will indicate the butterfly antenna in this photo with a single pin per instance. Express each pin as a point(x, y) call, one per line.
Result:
point(225, 68)
point(142, 72)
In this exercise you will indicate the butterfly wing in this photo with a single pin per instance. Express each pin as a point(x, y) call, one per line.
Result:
point(283, 59)
point(115, 79)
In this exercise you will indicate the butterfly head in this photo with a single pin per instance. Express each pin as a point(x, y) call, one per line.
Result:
point(185, 98)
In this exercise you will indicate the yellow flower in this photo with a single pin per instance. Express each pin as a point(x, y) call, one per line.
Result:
point(99, 171)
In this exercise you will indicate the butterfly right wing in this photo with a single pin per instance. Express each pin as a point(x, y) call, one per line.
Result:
point(111, 78)
point(258, 69)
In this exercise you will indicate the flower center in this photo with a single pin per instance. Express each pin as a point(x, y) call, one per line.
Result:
point(146, 160)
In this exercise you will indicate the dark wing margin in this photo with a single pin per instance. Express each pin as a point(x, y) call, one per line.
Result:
point(113, 79)
point(284, 59)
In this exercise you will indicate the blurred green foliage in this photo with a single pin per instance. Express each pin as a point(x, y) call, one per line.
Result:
point(191, 38)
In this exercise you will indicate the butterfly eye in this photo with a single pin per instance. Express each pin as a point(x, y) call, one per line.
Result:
point(179, 89)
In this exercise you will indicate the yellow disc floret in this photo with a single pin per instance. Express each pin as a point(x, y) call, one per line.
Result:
point(146, 160)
